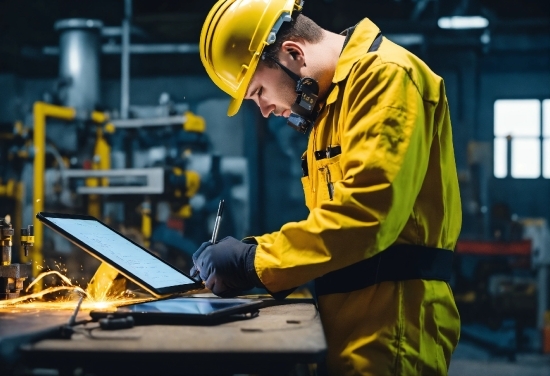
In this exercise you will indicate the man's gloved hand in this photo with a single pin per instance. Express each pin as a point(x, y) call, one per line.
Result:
point(227, 267)
point(194, 272)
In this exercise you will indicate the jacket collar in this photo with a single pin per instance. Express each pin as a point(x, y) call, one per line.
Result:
point(357, 46)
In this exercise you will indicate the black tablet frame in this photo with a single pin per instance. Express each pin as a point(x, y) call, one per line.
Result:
point(248, 309)
point(168, 290)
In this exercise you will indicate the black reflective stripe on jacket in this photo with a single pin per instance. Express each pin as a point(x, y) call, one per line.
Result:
point(398, 263)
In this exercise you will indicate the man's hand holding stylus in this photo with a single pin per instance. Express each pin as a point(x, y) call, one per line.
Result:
point(227, 267)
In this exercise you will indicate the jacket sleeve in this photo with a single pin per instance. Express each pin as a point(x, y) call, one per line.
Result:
point(386, 132)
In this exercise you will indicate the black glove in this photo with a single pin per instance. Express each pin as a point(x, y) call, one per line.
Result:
point(227, 267)
point(194, 272)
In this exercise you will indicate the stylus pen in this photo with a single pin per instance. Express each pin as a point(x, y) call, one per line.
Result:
point(214, 232)
point(217, 223)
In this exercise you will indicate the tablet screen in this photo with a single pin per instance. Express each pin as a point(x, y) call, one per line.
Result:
point(109, 245)
point(196, 306)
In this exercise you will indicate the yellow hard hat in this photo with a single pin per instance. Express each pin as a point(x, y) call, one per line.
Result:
point(233, 38)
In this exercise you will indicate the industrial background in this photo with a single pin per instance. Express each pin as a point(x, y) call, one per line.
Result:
point(105, 109)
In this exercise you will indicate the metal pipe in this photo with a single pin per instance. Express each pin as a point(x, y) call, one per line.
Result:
point(138, 123)
point(102, 161)
point(40, 112)
point(79, 52)
point(136, 180)
point(138, 49)
point(151, 49)
point(125, 61)
point(116, 31)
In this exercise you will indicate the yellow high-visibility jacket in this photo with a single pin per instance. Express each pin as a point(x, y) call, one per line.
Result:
point(395, 182)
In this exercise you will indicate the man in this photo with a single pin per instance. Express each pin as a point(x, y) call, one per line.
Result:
point(379, 180)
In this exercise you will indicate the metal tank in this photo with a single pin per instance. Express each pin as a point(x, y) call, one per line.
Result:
point(79, 60)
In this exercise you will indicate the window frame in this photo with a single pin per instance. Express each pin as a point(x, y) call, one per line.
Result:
point(541, 138)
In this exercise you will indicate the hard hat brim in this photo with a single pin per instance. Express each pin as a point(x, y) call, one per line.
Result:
point(237, 99)
point(234, 106)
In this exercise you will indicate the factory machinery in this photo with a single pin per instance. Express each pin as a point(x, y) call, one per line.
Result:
point(12, 275)
point(148, 171)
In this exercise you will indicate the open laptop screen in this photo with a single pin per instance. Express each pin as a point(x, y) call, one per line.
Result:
point(132, 260)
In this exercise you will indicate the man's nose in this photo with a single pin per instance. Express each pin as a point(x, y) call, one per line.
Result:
point(266, 108)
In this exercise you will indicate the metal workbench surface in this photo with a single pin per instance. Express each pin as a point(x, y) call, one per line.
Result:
point(280, 337)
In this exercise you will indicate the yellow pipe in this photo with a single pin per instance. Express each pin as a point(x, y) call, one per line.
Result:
point(146, 222)
point(99, 117)
point(146, 227)
point(41, 111)
point(102, 161)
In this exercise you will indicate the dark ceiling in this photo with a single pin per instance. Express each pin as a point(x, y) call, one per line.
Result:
point(26, 26)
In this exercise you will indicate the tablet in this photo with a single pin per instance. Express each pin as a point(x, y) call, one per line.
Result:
point(130, 259)
point(185, 310)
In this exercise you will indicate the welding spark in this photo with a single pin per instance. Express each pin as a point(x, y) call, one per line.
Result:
point(44, 274)
point(31, 301)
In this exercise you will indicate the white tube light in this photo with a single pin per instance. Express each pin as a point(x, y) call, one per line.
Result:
point(463, 22)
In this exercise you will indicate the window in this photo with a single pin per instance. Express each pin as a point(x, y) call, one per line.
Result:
point(522, 132)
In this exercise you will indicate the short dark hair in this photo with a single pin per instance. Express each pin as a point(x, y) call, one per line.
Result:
point(300, 27)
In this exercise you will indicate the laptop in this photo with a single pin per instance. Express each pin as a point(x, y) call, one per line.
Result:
point(140, 266)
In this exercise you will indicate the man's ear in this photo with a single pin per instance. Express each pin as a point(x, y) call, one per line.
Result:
point(294, 50)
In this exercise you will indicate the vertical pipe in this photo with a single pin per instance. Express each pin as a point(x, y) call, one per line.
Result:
point(79, 55)
point(102, 161)
point(39, 141)
point(146, 223)
point(40, 112)
point(125, 61)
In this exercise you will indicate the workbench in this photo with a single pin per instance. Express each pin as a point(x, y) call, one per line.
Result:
point(281, 339)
